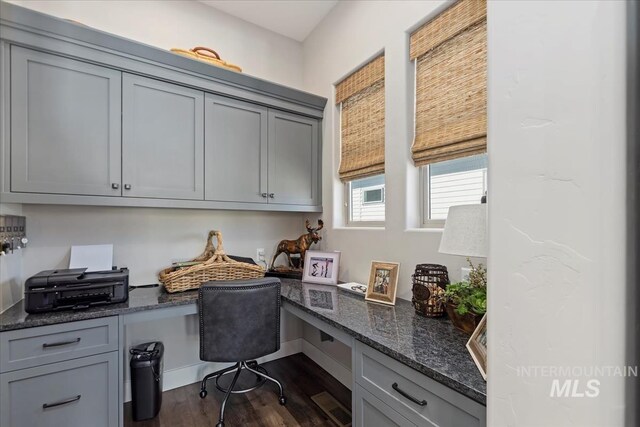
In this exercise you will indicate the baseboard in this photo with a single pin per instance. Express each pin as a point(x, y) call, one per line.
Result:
point(329, 364)
point(185, 375)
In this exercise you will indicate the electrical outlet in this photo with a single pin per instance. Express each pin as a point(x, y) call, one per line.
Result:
point(260, 255)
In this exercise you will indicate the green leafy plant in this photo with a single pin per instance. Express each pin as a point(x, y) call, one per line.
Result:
point(471, 296)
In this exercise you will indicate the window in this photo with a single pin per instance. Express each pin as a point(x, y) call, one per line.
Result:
point(360, 99)
point(375, 195)
point(365, 200)
point(454, 182)
point(450, 54)
point(450, 139)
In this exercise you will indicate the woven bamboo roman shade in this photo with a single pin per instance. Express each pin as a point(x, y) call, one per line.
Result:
point(362, 121)
point(451, 84)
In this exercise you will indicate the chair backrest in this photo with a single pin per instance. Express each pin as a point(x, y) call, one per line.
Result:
point(239, 320)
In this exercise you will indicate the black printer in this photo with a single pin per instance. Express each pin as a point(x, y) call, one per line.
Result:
point(53, 290)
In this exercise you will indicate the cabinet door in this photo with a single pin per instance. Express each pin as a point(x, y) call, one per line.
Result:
point(80, 392)
point(163, 140)
point(235, 150)
point(372, 412)
point(65, 125)
point(293, 159)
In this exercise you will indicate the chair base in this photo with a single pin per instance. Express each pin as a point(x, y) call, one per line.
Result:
point(262, 376)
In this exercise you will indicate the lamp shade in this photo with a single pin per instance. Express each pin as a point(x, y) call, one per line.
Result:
point(465, 231)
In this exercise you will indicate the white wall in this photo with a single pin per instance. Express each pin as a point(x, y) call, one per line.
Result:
point(147, 240)
point(10, 268)
point(186, 24)
point(556, 207)
point(352, 33)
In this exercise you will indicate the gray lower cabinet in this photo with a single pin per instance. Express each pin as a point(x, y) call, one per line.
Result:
point(235, 150)
point(162, 139)
point(80, 392)
point(26, 348)
point(294, 159)
point(65, 374)
point(372, 412)
point(65, 125)
point(414, 396)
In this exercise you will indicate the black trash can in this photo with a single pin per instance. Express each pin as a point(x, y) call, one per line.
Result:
point(146, 379)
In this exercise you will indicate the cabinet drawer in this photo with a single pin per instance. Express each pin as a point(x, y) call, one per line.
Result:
point(403, 389)
point(81, 392)
point(371, 412)
point(25, 348)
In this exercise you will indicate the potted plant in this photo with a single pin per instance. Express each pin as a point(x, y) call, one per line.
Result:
point(466, 302)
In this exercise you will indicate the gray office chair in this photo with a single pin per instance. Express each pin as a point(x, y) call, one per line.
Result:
point(239, 322)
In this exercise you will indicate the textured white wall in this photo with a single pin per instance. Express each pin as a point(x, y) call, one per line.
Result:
point(556, 207)
point(186, 24)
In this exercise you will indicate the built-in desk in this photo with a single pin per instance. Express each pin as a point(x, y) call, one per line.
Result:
point(425, 358)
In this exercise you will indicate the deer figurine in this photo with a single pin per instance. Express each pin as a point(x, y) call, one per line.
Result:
point(299, 246)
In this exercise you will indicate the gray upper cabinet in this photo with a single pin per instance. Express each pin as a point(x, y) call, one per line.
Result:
point(65, 125)
point(162, 140)
point(235, 150)
point(89, 118)
point(294, 156)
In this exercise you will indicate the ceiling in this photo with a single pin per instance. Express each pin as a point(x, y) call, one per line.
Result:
point(291, 18)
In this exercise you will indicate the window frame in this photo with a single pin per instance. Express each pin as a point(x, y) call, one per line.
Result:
point(347, 210)
point(425, 207)
point(378, 187)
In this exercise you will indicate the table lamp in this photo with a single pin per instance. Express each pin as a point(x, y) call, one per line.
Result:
point(465, 231)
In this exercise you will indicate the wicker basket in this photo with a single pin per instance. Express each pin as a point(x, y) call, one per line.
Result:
point(214, 264)
point(429, 283)
point(207, 55)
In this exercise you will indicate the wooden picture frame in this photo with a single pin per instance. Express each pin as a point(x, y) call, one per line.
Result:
point(321, 267)
point(477, 346)
point(383, 282)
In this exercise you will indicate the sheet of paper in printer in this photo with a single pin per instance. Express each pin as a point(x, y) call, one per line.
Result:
point(93, 257)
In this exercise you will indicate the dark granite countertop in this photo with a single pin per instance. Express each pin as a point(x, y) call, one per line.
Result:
point(431, 346)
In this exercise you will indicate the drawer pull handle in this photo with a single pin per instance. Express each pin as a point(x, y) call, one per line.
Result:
point(62, 402)
point(58, 344)
point(408, 396)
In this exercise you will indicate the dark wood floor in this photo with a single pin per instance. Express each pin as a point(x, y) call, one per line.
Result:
point(300, 376)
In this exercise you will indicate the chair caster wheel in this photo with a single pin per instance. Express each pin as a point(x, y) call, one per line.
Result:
point(203, 394)
point(282, 400)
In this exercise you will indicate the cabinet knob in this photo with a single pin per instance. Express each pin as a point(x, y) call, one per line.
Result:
point(272, 195)
point(115, 185)
point(264, 195)
point(127, 186)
